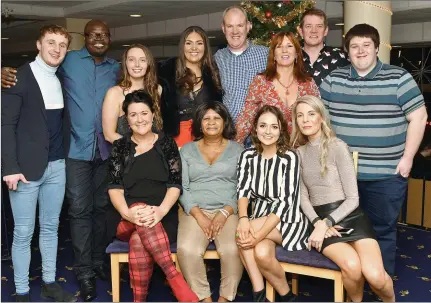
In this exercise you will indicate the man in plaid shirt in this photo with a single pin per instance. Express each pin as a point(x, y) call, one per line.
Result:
point(240, 61)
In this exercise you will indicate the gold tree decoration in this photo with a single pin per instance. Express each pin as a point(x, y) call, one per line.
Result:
point(270, 17)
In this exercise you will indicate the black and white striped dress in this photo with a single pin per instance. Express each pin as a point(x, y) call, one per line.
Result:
point(273, 185)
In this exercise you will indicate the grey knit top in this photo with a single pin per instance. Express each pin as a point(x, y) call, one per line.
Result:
point(338, 183)
point(209, 186)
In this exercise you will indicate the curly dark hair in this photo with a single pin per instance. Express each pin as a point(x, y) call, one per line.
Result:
point(142, 96)
point(229, 131)
point(283, 144)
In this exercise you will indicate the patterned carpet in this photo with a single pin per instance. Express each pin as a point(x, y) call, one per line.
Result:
point(412, 283)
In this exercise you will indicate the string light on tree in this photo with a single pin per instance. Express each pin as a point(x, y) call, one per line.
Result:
point(271, 17)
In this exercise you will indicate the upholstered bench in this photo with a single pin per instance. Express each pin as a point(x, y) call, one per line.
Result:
point(308, 263)
point(119, 252)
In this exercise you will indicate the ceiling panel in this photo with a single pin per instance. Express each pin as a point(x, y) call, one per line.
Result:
point(52, 3)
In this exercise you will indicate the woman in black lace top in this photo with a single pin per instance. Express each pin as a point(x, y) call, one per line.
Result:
point(144, 186)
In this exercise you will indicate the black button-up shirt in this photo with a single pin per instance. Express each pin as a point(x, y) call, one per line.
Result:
point(329, 58)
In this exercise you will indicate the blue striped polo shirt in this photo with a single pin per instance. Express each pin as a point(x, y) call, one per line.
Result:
point(369, 114)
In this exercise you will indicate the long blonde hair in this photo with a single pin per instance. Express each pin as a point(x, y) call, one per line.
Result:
point(298, 139)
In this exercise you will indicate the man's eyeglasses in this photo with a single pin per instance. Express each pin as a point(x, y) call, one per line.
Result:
point(97, 35)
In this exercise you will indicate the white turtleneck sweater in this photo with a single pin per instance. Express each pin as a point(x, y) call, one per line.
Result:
point(52, 94)
point(49, 84)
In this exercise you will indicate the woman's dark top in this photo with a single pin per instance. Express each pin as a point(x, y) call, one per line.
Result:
point(146, 180)
point(187, 104)
point(146, 177)
point(171, 95)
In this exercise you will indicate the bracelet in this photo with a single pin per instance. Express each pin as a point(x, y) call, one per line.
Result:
point(224, 212)
point(315, 220)
point(242, 217)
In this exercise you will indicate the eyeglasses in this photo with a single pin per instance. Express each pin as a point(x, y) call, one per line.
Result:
point(96, 35)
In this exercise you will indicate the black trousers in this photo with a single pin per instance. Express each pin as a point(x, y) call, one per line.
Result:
point(86, 192)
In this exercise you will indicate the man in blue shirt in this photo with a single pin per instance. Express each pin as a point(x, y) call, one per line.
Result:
point(86, 76)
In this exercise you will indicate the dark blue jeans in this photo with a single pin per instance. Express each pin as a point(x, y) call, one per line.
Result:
point(382, 201)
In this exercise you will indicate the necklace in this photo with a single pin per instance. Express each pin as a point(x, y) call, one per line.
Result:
point(145, 144)
point(286, 87)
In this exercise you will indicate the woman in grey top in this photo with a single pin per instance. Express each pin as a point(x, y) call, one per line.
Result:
point(209, 201)
point(329, 198)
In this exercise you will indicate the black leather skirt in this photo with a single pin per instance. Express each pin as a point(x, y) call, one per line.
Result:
point(357, 219)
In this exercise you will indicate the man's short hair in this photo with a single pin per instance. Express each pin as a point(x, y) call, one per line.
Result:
point(238, 7)
point(54, 29)
point(314, 12)
point(362, 30)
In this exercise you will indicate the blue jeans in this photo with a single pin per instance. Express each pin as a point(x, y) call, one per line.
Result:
point(382, 201)
point(49, 191)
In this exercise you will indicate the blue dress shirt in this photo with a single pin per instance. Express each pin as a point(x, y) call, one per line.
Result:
point(85, 84)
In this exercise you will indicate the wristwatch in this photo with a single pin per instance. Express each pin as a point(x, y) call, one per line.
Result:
point(328, 222)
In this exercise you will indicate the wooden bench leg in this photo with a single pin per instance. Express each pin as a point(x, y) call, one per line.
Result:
point(115, 276)
point(175, 260)
point(270, 292)
point(295, 284)
point(338, 288)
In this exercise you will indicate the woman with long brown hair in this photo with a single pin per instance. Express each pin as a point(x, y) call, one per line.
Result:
point(188, 80)
point(138, 72)
point(268, 176)
point(283, 81)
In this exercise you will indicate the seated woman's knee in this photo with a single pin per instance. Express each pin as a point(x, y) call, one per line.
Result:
point(228, 250)
point(376, 277)
point(186, 250)
point(351, 267)
point(262, 253)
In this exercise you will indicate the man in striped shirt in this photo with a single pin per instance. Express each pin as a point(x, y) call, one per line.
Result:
point(379, 111)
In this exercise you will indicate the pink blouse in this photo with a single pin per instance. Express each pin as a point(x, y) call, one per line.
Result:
point(262, 92)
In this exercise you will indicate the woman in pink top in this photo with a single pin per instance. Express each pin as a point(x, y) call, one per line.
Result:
point(283, 81)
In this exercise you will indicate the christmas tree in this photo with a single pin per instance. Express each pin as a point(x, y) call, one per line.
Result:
point(270, 17)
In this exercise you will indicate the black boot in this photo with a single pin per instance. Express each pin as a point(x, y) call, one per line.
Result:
point(88, 289)
point(23, 298)
point(102, 272)
point(56, 292)
point(289, 297)
point(259, 296)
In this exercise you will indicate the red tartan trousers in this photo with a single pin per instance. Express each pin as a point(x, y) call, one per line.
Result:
point(147, 245)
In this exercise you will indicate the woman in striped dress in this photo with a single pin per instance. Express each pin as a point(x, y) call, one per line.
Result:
point(268, 176)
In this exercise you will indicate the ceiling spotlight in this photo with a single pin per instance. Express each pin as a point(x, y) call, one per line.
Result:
point(339, 24)
point(4, 38)
point(211, 37)
point(126, 45)
point(24, 55)
point(396, 46)
point(135, 15)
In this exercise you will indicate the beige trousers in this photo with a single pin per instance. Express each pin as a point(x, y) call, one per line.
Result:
point(191, 247)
